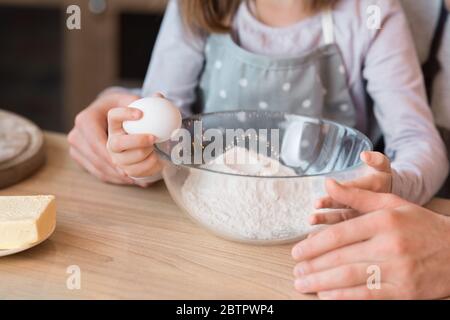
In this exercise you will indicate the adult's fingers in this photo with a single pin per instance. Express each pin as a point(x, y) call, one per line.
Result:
point(355, 253)
point(117, 116)
point(377, 161)
point(335, 237)
point(362, 200)
point(333, 217)
point(340, 277)
point(120, 143)
point(386, 291)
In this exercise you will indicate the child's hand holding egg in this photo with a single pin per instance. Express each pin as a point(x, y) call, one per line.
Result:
point(132, 132)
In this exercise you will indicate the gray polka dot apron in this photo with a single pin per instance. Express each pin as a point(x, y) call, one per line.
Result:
point(313, 84)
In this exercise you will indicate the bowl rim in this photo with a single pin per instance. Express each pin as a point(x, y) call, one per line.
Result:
point(361, 164)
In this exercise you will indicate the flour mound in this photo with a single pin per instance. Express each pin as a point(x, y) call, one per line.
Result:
point(250, 206)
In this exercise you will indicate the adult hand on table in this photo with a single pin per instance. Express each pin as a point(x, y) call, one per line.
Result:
point(409, 244)
point(89, 136)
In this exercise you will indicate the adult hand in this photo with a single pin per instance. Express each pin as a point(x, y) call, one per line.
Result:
point(408, 244)
point(89, 136)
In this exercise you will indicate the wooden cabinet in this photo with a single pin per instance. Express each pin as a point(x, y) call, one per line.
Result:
point(91, 56)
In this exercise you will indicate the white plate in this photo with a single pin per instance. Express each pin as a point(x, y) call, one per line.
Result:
point(4, 253)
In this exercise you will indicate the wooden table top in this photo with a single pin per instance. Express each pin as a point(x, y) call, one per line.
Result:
point(133, 243)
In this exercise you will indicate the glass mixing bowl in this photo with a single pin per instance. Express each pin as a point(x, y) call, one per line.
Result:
point(255, 208)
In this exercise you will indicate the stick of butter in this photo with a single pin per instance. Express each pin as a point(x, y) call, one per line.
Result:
point(25, 220)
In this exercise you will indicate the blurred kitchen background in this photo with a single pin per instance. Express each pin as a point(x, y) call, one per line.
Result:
point(49, 73)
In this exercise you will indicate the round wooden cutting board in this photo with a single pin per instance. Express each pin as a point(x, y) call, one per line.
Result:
point(21, 148)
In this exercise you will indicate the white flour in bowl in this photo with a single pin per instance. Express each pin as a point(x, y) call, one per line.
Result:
point(249, 208)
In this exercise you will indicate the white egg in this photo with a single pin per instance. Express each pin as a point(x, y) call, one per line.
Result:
point(160, 118)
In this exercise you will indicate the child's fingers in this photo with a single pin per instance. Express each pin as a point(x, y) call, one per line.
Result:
point(124, 142)
point(132, 156)
point(117, 116)
point(377, 161)
point(146, 168)
point(333, 217)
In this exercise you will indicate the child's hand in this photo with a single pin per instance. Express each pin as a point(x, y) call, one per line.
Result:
point(133, 154)
point(378, 180)
point(88, 138)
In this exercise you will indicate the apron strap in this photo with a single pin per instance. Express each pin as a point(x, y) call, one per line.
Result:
point(328, 26)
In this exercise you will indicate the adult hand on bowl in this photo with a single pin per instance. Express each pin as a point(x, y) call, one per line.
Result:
point(379, 179)
point(408, 244)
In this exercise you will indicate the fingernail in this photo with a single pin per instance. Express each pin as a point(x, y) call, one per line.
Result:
point(366, 156)
point(151, 139)
point(330, 181)
point(137, 114)
point(299, 271)
point(302, 285)
point(334, 182)
point(318, 204)
point(297, 252)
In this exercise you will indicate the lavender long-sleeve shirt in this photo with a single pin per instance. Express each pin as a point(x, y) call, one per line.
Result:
point(385, 59)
